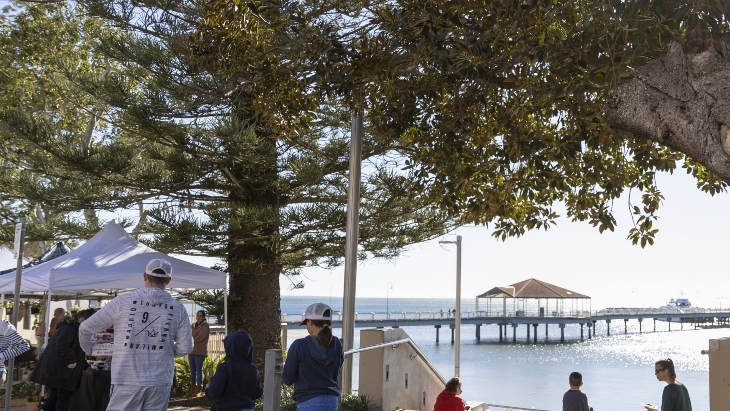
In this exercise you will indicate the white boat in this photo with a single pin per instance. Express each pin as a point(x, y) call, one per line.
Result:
point(676, 306)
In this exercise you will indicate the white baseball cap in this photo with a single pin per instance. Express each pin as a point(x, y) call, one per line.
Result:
point(159, 268)
point(317, 311)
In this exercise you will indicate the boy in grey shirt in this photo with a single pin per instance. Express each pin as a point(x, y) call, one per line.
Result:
point(150, 330)
point(574, 399)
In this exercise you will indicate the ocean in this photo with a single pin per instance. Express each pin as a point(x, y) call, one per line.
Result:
point(618, 370)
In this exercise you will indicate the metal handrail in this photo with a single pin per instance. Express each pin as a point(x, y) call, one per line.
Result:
point(431, 366)
point(512, 408)
point(398, 342)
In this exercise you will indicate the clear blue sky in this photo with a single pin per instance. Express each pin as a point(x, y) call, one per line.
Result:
point(689, 259)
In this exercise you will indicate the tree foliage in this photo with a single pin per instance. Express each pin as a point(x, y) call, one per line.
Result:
point(224, 124)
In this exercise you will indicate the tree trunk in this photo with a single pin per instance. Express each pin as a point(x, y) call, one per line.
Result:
point(253, 265)
point(681, 101)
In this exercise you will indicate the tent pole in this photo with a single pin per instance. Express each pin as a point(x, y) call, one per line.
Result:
point(46, 325)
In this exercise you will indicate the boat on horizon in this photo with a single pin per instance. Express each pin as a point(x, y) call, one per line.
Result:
point(677, 306)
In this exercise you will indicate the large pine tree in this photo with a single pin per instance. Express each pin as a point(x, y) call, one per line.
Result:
point(249, 167)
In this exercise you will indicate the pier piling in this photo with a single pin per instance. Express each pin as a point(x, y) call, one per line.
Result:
point(626, 328)
point(581, 332)
point(453, 328)
point(528, 333)
point(437, 327)
point(535, 334)
point(500, 332)
point(608, 327)
point(514, 333)
point(479, 337)
point(562, 333)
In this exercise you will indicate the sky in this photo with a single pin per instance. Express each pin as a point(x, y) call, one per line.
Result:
point(686, 261)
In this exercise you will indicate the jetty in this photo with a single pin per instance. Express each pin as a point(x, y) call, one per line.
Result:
point(532, 303)
point(668, 319)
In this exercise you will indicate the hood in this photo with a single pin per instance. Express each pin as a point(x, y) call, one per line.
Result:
point(154, 295)
point(239, 346)
point(323, 355)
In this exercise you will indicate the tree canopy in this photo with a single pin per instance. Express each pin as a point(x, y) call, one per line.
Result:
point(122, 118)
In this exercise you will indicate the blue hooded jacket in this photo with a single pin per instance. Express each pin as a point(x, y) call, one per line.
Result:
point(313, 369)
point(236, 383)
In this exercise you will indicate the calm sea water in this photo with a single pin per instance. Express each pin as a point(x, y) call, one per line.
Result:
point(618, 370)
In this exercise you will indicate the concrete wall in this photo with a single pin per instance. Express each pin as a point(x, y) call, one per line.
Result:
point(396, 377)
point(719, 353)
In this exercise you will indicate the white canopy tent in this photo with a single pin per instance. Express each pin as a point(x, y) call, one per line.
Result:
point(109, 262)
point(7, 259)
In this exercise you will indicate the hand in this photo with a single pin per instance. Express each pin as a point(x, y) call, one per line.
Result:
point(72, 365)
point(650, 407)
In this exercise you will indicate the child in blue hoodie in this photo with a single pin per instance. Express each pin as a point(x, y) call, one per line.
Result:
point(313, 363)
point(236, 383)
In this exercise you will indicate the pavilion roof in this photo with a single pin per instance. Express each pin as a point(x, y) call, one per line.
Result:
point(531, 288)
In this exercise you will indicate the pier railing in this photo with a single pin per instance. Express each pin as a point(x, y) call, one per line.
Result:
point(432, 315)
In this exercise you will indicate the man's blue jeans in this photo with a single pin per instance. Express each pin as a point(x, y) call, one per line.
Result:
point(321, 403)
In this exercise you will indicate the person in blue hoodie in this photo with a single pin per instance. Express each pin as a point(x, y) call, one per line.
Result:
point(313, 363)
point(236, 383)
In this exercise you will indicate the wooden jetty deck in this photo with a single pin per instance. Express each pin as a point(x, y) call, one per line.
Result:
point(696, 317)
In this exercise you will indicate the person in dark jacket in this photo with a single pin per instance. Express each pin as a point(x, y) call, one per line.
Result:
point(62, 363)
point(236, 383)
point(314, 362)
point(450, 398)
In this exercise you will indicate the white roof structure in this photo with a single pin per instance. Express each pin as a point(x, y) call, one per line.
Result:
point(109, 262)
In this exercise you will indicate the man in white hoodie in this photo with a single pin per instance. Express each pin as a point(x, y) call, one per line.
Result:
point(150, 330)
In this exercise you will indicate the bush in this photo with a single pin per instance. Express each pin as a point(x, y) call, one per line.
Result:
point(25, 389)
point(347, 402)
point(182, 374)
point(209, 368)
point(356, 403)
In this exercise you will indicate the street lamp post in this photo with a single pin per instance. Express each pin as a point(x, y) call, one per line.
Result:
point(457, 316)
point(387, 299)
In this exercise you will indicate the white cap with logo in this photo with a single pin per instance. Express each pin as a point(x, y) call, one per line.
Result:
point(159, 268)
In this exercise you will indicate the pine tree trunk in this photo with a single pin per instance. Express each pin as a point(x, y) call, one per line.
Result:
point(254, 268)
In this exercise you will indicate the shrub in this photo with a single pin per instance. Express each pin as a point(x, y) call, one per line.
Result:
point(347, 402)
point(182, 374)
point(356, 403)
point(210, 366)
point(24, 389)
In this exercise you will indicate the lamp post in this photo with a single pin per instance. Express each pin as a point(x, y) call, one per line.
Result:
point(457, 316)
point(387, 299)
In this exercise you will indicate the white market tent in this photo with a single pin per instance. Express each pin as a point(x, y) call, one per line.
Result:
point(7, 259)
point(109, 262)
